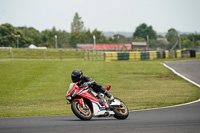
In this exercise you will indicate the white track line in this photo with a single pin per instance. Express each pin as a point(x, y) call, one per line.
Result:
point(167, 106)
point(181, 75)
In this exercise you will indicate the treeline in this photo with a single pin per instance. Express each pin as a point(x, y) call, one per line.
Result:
point(22, 37)
point(146, 33)
point(9, 35)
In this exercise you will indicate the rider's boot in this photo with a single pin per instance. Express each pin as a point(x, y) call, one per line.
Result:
point(109, 95)
point(106, 105)
point(103, 102)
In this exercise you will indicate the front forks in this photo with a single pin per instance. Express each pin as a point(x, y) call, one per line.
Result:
point(83, 104)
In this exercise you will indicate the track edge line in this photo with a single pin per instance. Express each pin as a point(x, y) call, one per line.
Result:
point(185, 78)
point(173, 105)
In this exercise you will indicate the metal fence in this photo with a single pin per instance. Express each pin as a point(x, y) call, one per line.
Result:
point(94, 54)
point(23, 53)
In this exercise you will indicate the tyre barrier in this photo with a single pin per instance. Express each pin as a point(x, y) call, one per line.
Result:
point(146, 55)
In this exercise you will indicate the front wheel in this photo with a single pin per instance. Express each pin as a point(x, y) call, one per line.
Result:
point(121, 112)
point(80, 112)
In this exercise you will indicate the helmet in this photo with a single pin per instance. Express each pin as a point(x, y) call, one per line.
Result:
point(76, 75)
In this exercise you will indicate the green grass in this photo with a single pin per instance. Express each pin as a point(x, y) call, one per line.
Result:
point(23, 53)
point(38, 87)
point(198, 55)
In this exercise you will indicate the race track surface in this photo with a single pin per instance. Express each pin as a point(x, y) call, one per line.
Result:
point(183, 119)
point(179, 119)
point(189, 68)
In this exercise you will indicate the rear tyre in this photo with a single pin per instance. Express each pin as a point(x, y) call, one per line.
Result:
point(121, 112)
point(80, 112)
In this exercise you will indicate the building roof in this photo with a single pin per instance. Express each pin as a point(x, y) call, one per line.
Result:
point(104, 46)
point(139, 43)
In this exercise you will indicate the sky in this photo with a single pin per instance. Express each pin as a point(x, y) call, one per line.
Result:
point(103, 15)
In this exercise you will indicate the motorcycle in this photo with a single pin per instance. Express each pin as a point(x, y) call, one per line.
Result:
point(86, 103)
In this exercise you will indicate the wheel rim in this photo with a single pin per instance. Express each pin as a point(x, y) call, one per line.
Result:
point(82, 111)
point(122, 108)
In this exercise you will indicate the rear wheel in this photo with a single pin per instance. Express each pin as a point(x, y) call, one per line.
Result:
point(80, 112)
point(121, 112)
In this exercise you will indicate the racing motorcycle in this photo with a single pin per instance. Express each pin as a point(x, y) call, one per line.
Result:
point(86, 103)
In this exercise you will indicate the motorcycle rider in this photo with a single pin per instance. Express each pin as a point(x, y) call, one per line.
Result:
point(83, 81)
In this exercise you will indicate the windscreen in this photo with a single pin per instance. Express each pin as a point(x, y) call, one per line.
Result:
point(70, 87)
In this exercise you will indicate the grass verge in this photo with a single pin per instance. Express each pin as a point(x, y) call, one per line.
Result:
point(38, 87)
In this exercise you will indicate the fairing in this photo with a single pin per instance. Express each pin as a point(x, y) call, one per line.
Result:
point(82, 93)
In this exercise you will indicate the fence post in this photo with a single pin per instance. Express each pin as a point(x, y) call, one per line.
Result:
point(27, 54)
point(84, 54)
point(92, 54)
point(96, 54)
point(11, 53)
point(88, 55)
point(76, 53)
point(44, 54)
point(60, 54)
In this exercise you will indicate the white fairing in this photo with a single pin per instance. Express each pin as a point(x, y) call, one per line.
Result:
point(96, 107)
point(115, 103)
point(99, 110)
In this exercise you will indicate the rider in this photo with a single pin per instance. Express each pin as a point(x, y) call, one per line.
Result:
point(77, 76)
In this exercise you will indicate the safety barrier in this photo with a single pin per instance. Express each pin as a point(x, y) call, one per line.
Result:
point(134, 56)
point(123, 56)
point(154, 55)
point(144, 55)
point(111, 56)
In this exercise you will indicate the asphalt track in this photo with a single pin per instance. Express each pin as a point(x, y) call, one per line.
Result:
point(176, 119)
point(188, 68)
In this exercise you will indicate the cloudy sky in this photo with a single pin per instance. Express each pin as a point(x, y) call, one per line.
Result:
point(105, 15)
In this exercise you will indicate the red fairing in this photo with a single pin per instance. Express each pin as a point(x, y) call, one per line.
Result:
point(107, 87)
point(79, 100)
point(83, 92)
point(86, 94)
point(72, 89)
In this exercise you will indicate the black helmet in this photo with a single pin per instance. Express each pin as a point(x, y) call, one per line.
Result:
point(77, 75)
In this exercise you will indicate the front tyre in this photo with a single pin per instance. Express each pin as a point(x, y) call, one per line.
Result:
point(121, 112)
point(80, 112)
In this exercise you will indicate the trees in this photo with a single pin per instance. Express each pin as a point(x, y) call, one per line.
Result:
point(172, 37)
point(77, 31)
point(7, 35)
point(119, 39)
point(18, 36)
point(48, 38)
point(99, 37)
point(185, 42)
point(195, 40)
point(190, 41)
point(29, 35)
point(77, 25)
point(79, 34)
point(63, 39)
point(143, 30)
